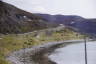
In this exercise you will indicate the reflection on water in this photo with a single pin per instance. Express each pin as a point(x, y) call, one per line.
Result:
point(74, 54)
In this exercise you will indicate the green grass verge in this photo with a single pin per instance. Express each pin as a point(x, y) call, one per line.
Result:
point(13, 42)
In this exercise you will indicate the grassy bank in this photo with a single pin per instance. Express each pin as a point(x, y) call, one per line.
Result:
point(13, 42)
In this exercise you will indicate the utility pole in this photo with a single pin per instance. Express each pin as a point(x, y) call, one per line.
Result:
point(85, 45)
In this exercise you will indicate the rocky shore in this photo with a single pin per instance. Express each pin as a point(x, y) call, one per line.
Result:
point(37, 54)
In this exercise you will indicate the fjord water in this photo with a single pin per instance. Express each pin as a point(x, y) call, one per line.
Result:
point(75, 54)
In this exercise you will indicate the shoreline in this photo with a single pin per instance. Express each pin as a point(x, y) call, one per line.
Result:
point(37, 54)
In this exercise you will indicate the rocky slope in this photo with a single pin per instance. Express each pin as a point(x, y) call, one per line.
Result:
point(15, 20)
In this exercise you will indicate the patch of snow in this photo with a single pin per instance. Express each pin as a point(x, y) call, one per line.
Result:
point(72, 22)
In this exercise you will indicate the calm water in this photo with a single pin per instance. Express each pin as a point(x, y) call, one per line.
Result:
point(74, 54)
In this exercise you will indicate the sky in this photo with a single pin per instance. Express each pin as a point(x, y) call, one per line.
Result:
point(84, 8)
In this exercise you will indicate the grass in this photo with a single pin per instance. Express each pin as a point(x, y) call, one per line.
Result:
point(13, 42)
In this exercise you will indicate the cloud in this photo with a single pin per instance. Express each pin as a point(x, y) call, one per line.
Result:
point(85, 8)
point(39, 9)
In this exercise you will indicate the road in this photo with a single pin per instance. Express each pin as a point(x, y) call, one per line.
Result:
point(38, 54)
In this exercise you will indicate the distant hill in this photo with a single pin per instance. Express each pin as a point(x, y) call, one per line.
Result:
point(77, 23)
point(15, 20)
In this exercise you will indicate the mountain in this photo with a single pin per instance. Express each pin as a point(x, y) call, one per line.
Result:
point(60, 19)
point(86, 26)
point(77, 23)
point(15, 20)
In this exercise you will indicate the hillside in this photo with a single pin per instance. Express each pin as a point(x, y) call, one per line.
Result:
point(77, 23)
point(14, 20)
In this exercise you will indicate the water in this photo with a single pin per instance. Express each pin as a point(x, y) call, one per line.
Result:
point(74, 54)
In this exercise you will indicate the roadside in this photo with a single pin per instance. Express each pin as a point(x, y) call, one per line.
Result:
point(37, 54)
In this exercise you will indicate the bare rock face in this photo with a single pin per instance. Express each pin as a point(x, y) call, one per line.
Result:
point(14, 20)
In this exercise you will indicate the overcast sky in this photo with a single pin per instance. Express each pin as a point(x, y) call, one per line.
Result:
point(85, 8)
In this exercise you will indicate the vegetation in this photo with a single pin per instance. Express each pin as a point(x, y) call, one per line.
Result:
point(14, 20)
point(13, 42)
